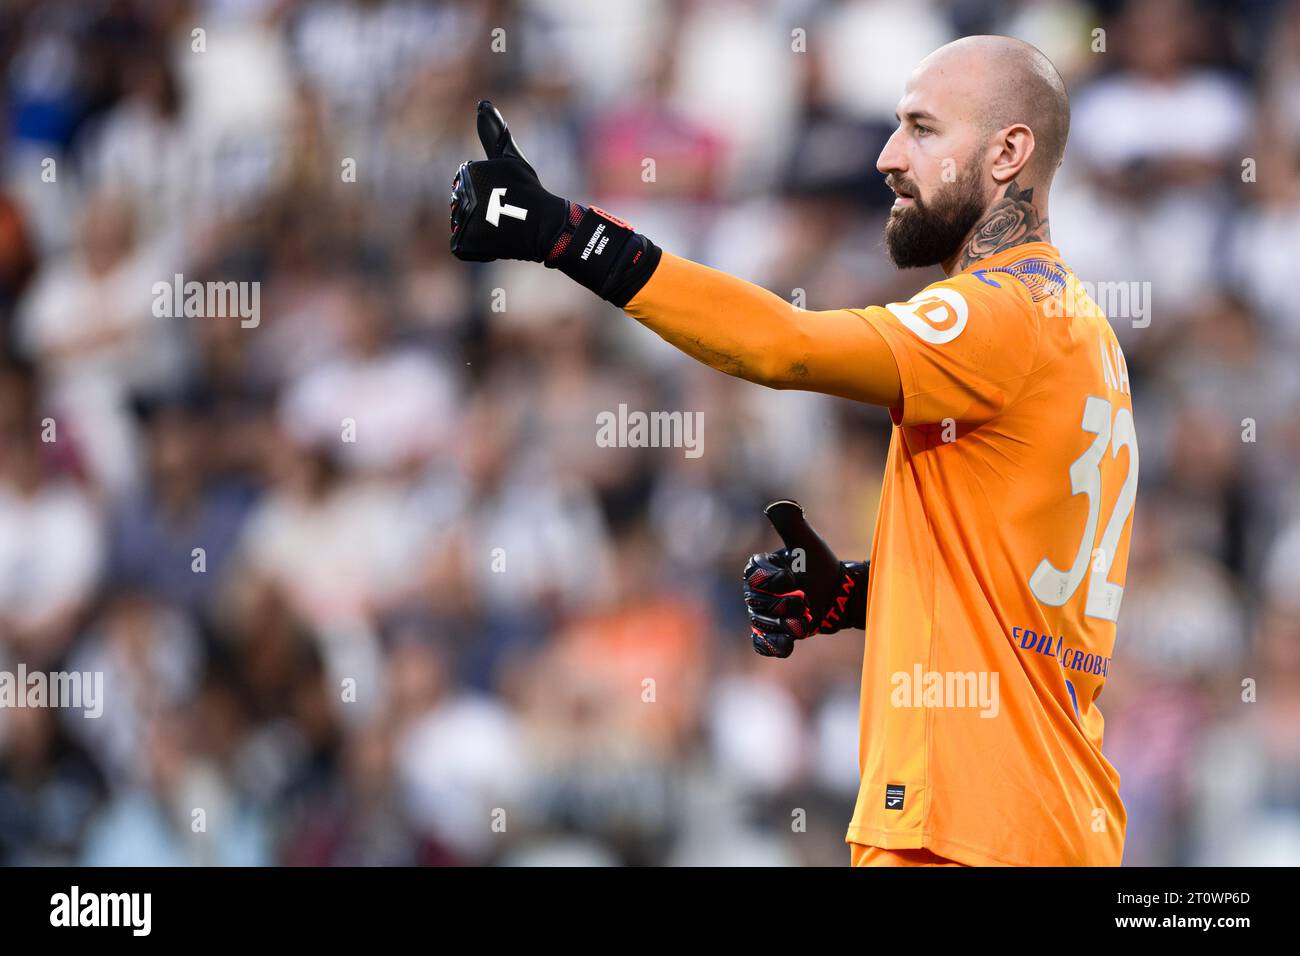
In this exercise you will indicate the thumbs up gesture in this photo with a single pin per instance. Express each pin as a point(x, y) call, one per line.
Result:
point(499, 209)
point(803, 589)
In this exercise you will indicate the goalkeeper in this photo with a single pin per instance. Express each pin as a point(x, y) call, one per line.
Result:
point(998, 562)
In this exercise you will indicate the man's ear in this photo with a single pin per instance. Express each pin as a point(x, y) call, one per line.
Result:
point(1012, 148)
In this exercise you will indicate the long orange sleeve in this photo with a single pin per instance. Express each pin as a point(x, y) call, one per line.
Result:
point(744, 330)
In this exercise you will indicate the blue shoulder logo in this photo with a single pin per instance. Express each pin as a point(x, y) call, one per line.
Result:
point(1042, 277)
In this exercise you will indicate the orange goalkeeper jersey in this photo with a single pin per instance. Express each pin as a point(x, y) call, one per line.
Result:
point(997, 572)
point(999, 557)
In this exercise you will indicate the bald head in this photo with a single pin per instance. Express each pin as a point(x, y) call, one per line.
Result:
point(982, 125)
point(1002, 82)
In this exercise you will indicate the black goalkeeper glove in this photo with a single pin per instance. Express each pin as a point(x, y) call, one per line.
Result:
point(499, 210)
point(803, 589)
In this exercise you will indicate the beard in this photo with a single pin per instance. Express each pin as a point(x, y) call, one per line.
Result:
point(925, 234)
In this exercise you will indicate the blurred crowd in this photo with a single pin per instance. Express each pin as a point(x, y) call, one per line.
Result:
point(363, 585)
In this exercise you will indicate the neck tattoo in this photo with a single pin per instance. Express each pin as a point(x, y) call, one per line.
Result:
point(1011, 221)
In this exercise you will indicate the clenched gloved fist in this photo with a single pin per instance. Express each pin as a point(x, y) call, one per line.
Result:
point(802, 589)
point(500, 210)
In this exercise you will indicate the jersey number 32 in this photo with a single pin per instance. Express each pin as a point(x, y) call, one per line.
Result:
point(1054, 586)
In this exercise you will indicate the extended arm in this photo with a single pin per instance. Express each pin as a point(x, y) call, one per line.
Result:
point(499, 210)
point(744, 330)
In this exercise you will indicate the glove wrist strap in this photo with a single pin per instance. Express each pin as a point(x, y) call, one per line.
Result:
point(848, 606)
point(602, 253)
